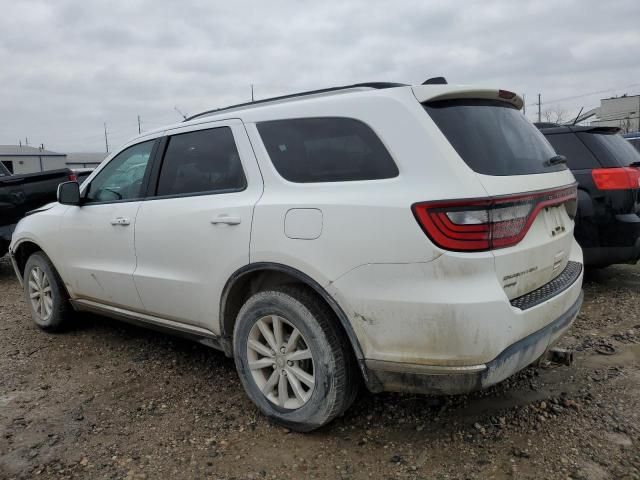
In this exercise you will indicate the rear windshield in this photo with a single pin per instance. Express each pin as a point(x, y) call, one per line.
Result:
point(579, 157)
point(493, 137)
point(611, 148)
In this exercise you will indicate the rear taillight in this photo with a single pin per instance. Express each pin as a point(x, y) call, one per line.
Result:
point(622, 178)
point(485, 224)
point(73, 177)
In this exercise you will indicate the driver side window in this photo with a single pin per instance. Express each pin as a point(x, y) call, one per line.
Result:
point(122, 178)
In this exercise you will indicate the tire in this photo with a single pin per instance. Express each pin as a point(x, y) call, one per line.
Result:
point(41, 280)
point(327, 359)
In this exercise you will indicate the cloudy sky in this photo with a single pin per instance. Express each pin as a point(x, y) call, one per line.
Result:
point(68, 66)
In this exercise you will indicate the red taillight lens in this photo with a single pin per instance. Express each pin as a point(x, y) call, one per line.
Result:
point(623, 178)
point(485, 224)
point(73, 177)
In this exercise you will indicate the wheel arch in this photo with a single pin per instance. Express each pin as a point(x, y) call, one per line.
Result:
point(255, 277)
point(22, 251)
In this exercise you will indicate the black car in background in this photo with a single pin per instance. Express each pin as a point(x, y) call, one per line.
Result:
point(634, 139)
point(607, 168)
point(21, 193)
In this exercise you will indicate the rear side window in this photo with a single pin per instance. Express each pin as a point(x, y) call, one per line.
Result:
point(578, 155)
point(308, 150)
point(493, 137)
point(611, 148)
point(205, 161)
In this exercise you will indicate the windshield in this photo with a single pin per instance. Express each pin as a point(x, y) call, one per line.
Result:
point(493, 137)
point(616, 149)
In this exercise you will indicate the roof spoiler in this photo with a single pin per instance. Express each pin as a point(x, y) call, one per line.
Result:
point(433, 93)
point(435, 81)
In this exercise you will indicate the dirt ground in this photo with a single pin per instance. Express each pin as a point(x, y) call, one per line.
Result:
point(108, 400)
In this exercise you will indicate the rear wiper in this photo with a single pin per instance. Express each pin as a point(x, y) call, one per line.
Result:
point(556, 160)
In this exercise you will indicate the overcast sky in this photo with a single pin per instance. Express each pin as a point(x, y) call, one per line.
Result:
point(67, 66)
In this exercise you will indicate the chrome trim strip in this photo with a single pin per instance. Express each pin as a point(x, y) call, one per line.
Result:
point(200, 334)
point(398, 367)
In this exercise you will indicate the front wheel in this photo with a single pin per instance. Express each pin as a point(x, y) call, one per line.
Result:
point(292, 359)
point(45, 294)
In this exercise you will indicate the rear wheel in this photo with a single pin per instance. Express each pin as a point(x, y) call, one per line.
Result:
point(292, 359)
point(45, 293)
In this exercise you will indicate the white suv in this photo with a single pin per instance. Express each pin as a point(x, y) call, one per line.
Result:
point(419, 238)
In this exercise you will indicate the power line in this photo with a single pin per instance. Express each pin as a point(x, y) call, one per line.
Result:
point(587, 94)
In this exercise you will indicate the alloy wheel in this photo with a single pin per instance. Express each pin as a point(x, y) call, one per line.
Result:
point(281, 362)
point(40, 293)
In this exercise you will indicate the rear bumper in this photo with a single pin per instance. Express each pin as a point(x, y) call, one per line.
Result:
point(6, 231)
point(400, 377)
point(5, 237)
point(603, 256)
point(617, 241)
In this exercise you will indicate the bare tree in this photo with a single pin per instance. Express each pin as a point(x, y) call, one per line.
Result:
point(555, 114)
point(625, 125)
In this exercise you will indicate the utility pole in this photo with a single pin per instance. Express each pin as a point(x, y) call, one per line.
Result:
point(26, 141)
point(139, 128)
point(252, 93)
point(524, 105)
point(539, 110)
point(106, 139)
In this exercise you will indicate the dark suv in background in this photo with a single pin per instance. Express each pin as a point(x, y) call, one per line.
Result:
point(634, 139)
point(607, 168)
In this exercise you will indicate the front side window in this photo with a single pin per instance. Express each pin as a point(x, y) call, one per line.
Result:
point(328, 149)
point(121, 179)
point(204, 161)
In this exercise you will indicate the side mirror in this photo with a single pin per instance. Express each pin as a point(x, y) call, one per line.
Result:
point(69, 193)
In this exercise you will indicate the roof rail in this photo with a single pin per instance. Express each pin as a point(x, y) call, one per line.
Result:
point(374, 85)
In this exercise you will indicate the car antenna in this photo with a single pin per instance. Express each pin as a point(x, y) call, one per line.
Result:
point(181, 114)
point(577, 116)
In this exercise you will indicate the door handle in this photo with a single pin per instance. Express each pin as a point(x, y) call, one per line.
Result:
point(226, 220)
point(120, 221)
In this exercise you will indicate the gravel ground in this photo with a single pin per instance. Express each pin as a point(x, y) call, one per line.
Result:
point(108, 400)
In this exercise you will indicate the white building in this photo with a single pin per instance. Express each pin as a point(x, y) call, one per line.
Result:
point(85, 160)
point(621, 112)
point(26, 159)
